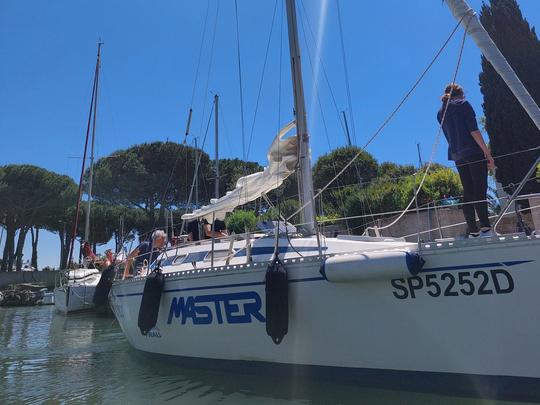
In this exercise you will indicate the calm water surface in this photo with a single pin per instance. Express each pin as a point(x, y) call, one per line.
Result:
point(46, 357)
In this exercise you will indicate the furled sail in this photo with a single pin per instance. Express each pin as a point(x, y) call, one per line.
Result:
point(282, 159)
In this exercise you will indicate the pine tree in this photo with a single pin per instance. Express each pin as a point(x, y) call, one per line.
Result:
point(508, 126)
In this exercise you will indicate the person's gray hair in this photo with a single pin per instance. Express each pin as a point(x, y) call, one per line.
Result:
point(158, 235)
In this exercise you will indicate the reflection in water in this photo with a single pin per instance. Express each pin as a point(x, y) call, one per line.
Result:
point(46, 356)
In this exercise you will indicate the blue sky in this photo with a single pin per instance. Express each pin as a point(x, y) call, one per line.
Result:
point(48, 49)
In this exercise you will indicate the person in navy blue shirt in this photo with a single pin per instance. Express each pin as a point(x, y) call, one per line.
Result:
point(466, 147)
point(146, 251)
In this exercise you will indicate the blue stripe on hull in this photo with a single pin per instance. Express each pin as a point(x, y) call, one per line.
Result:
point(426, 270)
point(453, 384)
point(475, 266)
point(212, 287)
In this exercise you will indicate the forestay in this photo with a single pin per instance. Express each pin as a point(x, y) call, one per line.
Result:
point(282, 159)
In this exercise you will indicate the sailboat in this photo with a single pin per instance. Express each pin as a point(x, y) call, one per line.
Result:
point(455, 316)
point(76, 290)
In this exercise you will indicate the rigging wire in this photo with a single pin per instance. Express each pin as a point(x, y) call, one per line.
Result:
point(388, 118)
point(327, 80)
point(241, 90)
point(200, 54)
point(190, 113)
point(262, 79)
point(425, 207)
point(76, 221)
point(197, 164)
point(346, 71)
point(356, 168)
point(436, 143)
point(210, 62)
point(279, 193)
point(239, 60)
point(317, 96)
point(323, 68)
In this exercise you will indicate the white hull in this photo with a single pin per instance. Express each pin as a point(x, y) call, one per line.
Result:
point(488, 328)
point(76, 295)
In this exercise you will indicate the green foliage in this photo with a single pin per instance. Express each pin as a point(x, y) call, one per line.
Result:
point(508, 126)
point(394, 170)
point(327, 219)
point(139, 176)
point(364, 169)
point(240, 220)
point(286, 208)
point(439, 184)
point(31, 196)
point(390, 195)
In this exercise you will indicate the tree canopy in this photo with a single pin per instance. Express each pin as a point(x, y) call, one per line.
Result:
point(508, 126)
point(363, 170)
point(140, 176)
point(30, 196)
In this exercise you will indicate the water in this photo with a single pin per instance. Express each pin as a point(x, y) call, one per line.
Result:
point(46, 357)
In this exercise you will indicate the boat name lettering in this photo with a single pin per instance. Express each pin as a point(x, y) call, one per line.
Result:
point(463, 283)
point(240, 307)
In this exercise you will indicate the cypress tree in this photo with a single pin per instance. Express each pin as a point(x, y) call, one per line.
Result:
point(508, 126)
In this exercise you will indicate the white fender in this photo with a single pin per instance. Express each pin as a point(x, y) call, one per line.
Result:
point(366, 266)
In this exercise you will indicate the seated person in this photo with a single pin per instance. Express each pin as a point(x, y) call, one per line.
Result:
point(209, 234)
point(220, 226)
point(98, 262)
point(193, 231)
point(146, 251)
point(89, 256)
point(107, 260)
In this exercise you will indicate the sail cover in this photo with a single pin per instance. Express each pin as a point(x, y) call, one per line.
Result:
point(282, 158)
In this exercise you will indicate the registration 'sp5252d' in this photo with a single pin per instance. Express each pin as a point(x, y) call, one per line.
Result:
point(462, 283)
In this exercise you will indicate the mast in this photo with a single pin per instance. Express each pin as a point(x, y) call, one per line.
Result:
point(216, 144)
point(216, 184)
point(91, 174)
point(196, 174)
point(466, 15)
point(79, 193)
point(305, 180)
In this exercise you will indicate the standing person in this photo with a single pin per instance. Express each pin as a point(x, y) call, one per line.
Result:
point(466, 147)
point(146, 251)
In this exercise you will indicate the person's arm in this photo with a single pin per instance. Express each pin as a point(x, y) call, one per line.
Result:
point(472, 126)
point(209, 233)
point(479, 139)
point(129, 261)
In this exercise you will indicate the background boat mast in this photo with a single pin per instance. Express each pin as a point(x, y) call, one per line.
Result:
point(305, 180)
point(91, 171)
point(216, 143)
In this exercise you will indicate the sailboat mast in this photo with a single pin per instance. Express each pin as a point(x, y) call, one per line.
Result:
point(216, 144)
point(91, 171)
point(79, 193)
point(305, 180)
